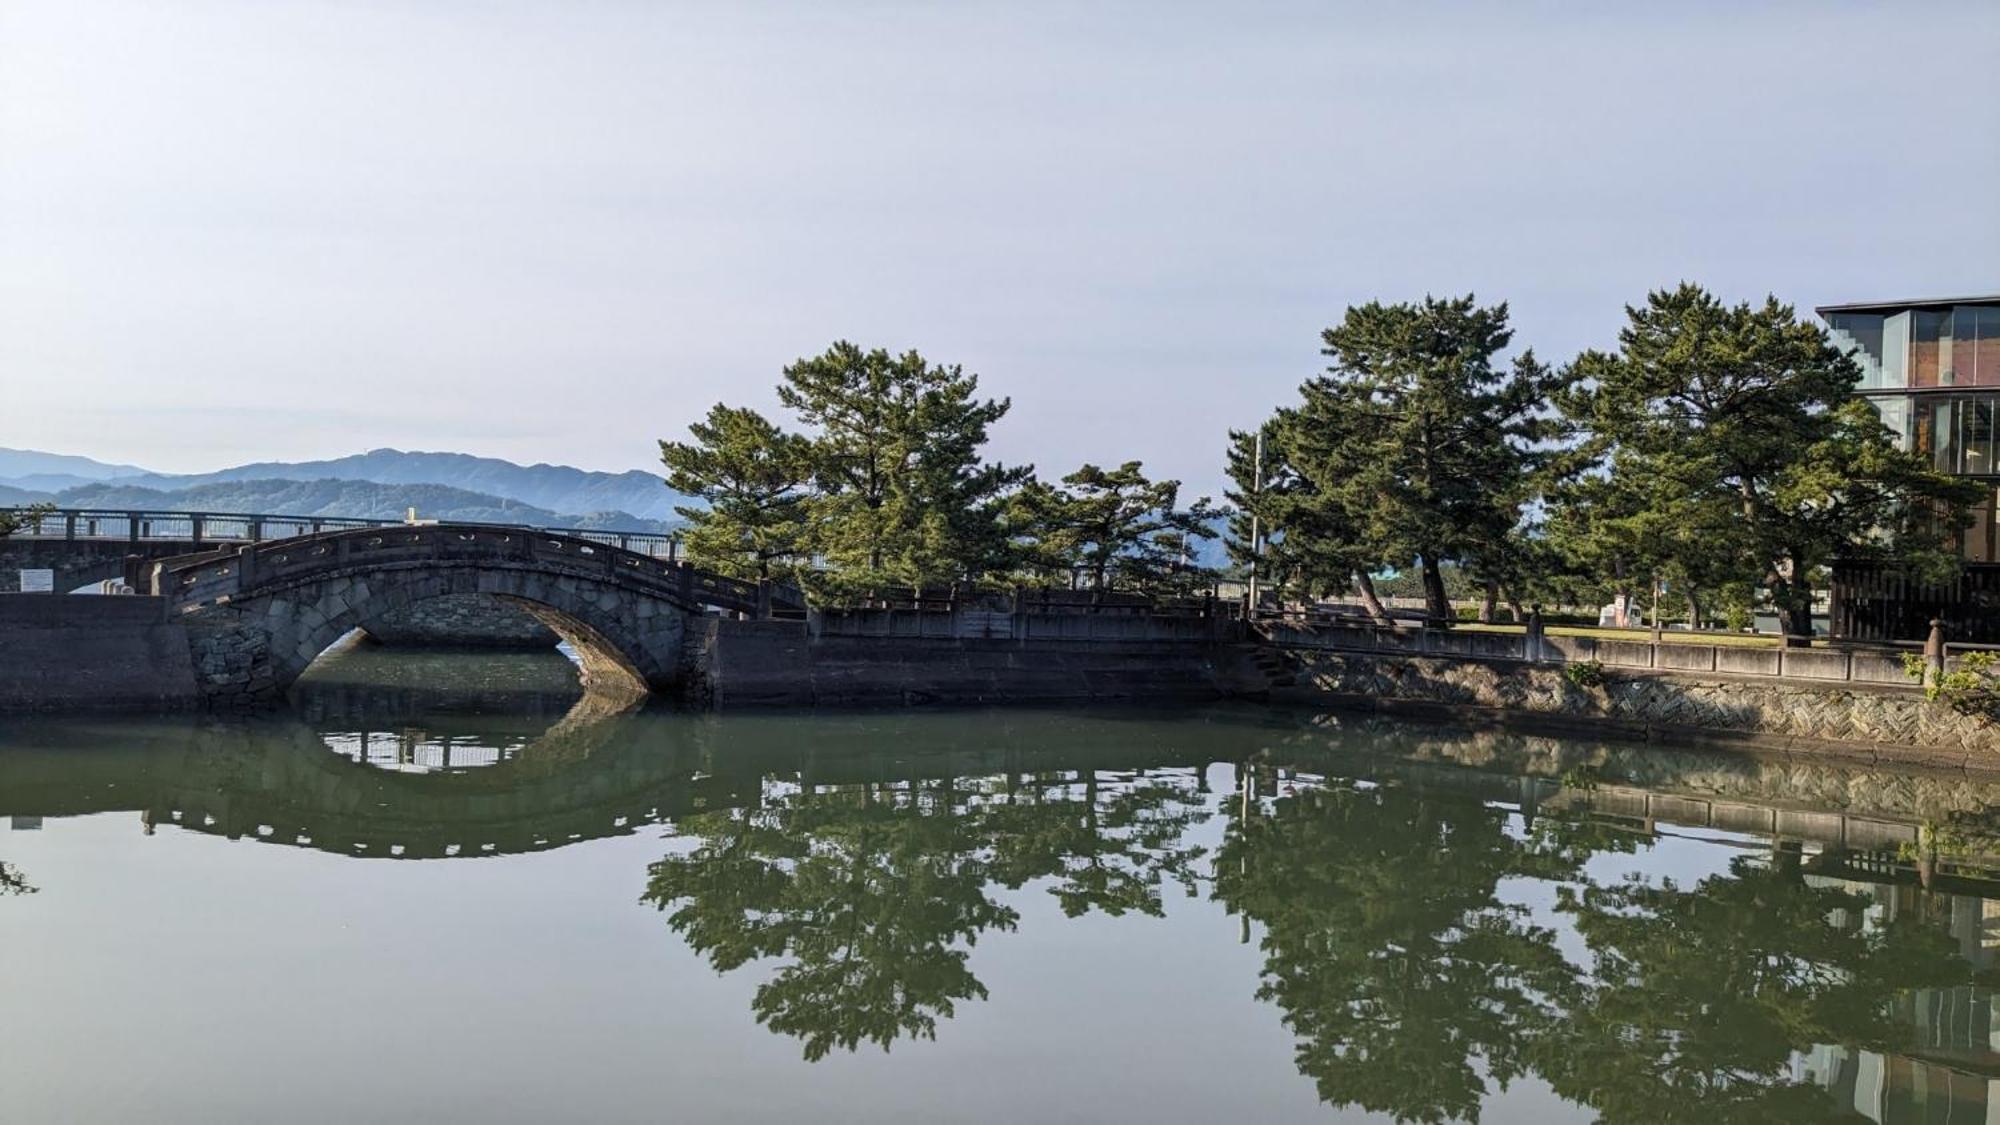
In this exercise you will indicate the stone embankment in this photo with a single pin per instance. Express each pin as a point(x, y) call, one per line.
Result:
point(1821, 703)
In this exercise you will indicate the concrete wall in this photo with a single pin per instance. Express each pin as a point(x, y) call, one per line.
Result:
point(461, 621)
point(75, 562)
point(92, 654)
point(1866, 722)
point(736, 664)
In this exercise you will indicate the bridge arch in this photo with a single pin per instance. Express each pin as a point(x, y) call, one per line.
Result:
point(258, 615)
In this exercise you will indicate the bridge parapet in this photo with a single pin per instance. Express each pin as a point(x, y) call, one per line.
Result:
point(212, 577)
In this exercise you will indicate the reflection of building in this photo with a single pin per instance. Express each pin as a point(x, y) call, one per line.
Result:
point(1932, 370)
point(1949, 1069)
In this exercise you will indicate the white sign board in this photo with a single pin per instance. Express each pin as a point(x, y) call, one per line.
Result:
point(38, 581)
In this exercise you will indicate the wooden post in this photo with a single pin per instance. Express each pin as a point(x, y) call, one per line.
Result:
point(194, 522)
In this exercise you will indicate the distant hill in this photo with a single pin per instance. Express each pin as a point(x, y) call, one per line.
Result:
point(11, 497)
point(361, 499)
point(19, 463)
point(555, 488)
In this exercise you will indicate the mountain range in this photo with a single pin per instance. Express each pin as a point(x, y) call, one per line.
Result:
point(380, 484)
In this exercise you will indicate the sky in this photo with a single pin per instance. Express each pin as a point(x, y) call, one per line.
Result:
point(235, 231)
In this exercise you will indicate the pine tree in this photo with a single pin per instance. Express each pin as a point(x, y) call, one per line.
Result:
point(1730, 443)
point(903, 495)
point(1416, 445)
point(1115, 525)
point(754, 480)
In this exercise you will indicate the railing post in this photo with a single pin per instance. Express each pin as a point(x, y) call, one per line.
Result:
point(69, 526)
point(194, 523)
point(1531, 647)
point(673, 548)
point(763, 599)
point(132, 519)
point(256, 530)
point(1934, 654)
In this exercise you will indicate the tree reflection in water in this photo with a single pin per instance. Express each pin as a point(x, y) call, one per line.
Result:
point(1416, 988)
point(1696, 998)
point(874, 891)
point(1395, 962)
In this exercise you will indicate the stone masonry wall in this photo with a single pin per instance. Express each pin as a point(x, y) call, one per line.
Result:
point(463, 621)
point(92, 654)
point(1865, 721)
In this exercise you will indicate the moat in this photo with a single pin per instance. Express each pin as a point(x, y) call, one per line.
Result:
point(451, 887)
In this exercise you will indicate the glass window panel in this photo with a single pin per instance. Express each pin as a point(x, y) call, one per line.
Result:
point(1860, 336)
point(1938, 434)
point(1977, 430)
point(1978, 541)
point(1928, 331)
point(1986, 345)
point(1895, 414)
point(1896, 350)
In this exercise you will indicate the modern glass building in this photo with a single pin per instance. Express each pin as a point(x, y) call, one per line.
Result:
point(1932, 369)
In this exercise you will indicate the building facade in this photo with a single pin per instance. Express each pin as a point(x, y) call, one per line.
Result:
point(1932, 370)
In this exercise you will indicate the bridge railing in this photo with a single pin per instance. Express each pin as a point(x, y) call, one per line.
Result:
point(198, 528)
point(226, 573)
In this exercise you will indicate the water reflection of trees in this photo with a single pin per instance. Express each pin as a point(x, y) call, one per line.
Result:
point(1415, 986)
point(1394, 960)
point(1695, 998)
point(874, 892)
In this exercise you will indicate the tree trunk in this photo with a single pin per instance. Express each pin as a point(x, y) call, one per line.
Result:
point(1694, 608)
point(1436, 606)
point(1369, 601)
point(1489, 605)
point(1793, 597)
point(1621, 593)
point(1514, 611)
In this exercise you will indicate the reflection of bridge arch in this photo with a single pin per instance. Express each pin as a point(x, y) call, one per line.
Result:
point(259, 614)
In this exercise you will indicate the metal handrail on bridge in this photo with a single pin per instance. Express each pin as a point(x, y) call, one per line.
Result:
point(221, 528)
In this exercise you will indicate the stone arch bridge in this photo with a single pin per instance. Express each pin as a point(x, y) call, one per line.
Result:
point(259, 613)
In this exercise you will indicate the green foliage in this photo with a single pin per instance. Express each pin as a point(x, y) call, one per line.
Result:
point(1416, 444)
point(1584, 673)
point(1971, 688)
point(883, 485)
point(14, 519)
point(1721, 444)
point(755, 481)
point(903, 494)
point(1115, 525)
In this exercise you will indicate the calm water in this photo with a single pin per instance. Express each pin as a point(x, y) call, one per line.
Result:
point(446, 889)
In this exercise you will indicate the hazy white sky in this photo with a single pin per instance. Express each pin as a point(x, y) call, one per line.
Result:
point(559, 231)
